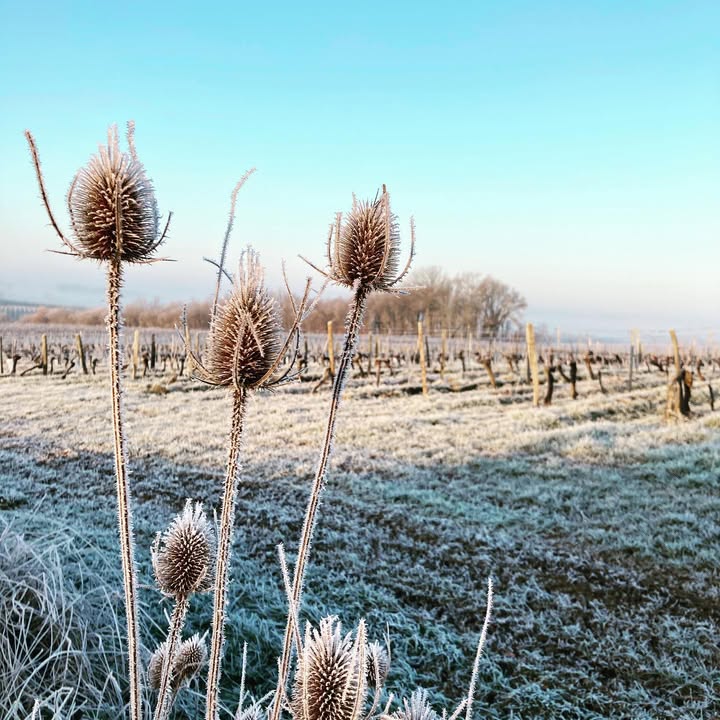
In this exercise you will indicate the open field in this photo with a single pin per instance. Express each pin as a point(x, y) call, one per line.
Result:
point(598, 521)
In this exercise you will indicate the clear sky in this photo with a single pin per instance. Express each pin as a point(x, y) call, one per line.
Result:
point(571, 149)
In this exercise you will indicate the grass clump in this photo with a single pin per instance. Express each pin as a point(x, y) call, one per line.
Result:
point(60, 641)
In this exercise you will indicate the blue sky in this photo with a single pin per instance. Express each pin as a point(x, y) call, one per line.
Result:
point(571, 149)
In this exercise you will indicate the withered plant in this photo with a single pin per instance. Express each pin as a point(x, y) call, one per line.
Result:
point(114, 220)
point(183, 560)
point(363, 253)
point(245, 353)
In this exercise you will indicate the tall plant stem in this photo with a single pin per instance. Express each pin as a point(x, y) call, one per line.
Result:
point(352, 323)
point(176, 623)
point(127, 551)
point(222, 568)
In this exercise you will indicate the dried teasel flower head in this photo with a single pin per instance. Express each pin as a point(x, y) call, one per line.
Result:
point(245, 337)
point(417, 708)
point(183, 556)
point(252, 712)
point(364, 246)
point(378, 663)
point(111, 203)
point(330, 676)
point(190, 656)
point(155, 666)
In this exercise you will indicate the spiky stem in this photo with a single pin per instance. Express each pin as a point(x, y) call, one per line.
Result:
point(478, 653)
point(222, 568)
point(177, 620)
point(127, 550)
point(352, 324)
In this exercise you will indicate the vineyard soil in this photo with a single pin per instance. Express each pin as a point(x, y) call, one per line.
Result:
point(598, 520)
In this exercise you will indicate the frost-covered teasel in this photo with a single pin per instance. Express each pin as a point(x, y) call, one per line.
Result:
point(183, 558)
point(191, 655)
point(111, 204)
point(362, 253)
point(245, 334)
point(363, 249)
point(184, 555)
point(330, 675)
point(114, 219)
point(245, 353)
point(416, 708)
point(377, 664)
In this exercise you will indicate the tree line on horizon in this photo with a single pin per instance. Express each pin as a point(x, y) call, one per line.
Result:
point(460, 303)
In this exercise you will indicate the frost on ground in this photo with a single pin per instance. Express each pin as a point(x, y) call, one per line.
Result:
point(598, 521)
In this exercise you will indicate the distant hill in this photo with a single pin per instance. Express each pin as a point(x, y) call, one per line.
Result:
point(12, 310)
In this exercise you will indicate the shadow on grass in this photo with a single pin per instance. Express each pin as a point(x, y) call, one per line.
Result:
point(607, 581)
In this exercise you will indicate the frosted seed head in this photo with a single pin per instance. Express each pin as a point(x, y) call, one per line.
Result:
point(155, 666)
point(183, 556)
point(112, 206)
point(329, 681)
point(245, 335)
point(252, 712)
point(191, 656)
point(417, 708)
point(377, 662)
point(367, 245)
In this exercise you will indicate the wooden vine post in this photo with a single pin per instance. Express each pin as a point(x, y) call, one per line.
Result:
point(443, 353)
point(423, 363)
point(81, 353)
point(676, 351)
point(533, 363)
point(679, 390)
point(331, 348)
point(44, 354)
point(2, 361)
point(635, 354)
point(153, 347)
point(136, 354)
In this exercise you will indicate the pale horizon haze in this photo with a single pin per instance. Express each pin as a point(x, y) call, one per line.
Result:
point(571, 150)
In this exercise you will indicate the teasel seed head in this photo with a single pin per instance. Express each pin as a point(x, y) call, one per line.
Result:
point(367, 245)
point(245, 334)
point(363, 249)
point(155, 666)
point(417, 708)
point(330, 676)
point(112, 206)
point(183, 556)
point(252, 712)
point(191, 655)
point(378, 663)
point(111, 203)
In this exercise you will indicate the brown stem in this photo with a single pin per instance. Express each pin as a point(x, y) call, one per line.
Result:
point(222, 568)
point(353, 320)
point(177, 621)
point(127, 550)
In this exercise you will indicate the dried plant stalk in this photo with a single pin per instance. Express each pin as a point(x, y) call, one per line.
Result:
point(177, 620)
point(127, 549)
point(222, 570)
point(353, 321)
point(364, 257)
point(114, 219)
